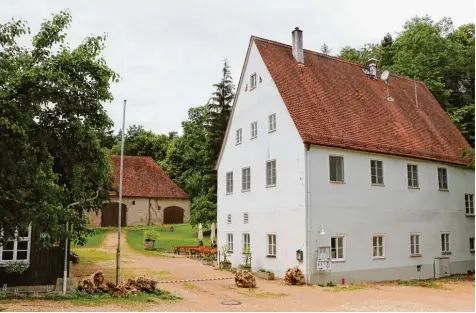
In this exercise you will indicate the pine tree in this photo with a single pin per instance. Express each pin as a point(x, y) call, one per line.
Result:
point(325, 49)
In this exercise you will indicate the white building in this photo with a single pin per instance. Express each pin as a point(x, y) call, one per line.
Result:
point(320, 145)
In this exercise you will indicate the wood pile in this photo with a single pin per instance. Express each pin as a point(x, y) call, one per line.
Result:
point(294, 276)
point(95, 284)
point(245, 279)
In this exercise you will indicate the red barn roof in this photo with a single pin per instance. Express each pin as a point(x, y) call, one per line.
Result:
point(333, 103)
point(144, 178)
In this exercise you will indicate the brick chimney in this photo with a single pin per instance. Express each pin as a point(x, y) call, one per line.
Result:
point(298, 52)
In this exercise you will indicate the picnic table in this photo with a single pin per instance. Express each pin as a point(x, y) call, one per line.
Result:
point(198, 251)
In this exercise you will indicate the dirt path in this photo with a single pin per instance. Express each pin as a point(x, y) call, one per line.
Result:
point(269, 296)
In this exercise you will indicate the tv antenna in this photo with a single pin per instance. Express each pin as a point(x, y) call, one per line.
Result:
point(384, 77)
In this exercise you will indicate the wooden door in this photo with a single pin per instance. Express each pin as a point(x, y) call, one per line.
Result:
point(110, 214)
point(173, 215)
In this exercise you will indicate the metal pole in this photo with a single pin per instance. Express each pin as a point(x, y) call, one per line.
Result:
point(118, 256)
point(65, 272)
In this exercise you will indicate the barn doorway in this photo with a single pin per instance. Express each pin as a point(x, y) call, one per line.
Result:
point(110, 214)
point(173, 215)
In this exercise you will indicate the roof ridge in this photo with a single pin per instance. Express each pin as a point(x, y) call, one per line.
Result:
point(331, 57)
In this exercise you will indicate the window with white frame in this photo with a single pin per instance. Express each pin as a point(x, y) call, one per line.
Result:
point(228, 219)
point(378, 243)
point(412, 170)
point(442, 178)
point(415, 244)
point(471, 244)
point(271, 173)
point(337, 248)
point(245, 218)
point(254, 130)
point(271, 245)
point(17, 249)
point(253, 81)
point(376, 172)
point(246, 179)
point(445, 243)
point(336, 169)
point(229, 182)
point(272, 122)
point(229, 245)
point(238, 136)
point(246, 241)
point(469, 203)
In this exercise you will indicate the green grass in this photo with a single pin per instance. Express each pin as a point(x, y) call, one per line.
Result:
point(427, 283)
point(183, 234)
point(91, 256)
point(96, 239)
point(84, 299)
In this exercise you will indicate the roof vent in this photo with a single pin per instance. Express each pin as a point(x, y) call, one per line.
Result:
point(372, 67)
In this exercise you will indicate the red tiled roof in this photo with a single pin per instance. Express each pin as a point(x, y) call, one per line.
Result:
point(144, 178)
point(333, 103)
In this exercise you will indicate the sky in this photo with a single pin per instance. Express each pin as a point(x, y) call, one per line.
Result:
point(170, 53)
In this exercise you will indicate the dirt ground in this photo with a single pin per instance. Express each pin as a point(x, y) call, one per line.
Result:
point(269, 296)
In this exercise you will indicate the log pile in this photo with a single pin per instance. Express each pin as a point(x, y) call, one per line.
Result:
point(95, 284)
point(245, 279)
point(294, 276)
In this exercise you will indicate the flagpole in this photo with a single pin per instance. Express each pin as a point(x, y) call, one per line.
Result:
point(118, 255)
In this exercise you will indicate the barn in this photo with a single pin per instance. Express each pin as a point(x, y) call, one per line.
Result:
point(149, 196)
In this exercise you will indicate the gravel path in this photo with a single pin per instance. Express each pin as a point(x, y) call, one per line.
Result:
point(269, 296)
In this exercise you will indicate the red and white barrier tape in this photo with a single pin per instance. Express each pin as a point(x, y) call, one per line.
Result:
point(192, 280)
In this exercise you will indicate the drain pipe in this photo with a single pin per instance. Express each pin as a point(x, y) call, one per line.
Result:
point(308, 222)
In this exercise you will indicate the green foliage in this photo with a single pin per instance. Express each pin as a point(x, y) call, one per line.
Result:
point(53, 125)
point(17, 267)
point(151, 234)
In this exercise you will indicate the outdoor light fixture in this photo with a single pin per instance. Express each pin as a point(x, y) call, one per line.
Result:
point(299, 255)
point(322, 232)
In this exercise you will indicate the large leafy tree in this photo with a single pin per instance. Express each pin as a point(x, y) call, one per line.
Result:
point(52, 125)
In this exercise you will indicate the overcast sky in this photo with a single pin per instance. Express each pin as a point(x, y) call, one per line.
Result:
point(170, 53)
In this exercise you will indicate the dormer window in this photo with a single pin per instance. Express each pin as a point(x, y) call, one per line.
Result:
point(253, 81)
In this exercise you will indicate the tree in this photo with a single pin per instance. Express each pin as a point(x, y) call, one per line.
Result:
point(52, 122)
point(325, 49)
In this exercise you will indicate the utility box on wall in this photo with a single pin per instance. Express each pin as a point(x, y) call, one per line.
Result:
point(299, 255)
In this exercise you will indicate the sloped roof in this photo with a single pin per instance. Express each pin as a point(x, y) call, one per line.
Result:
point(144, 178)
point(333, 103)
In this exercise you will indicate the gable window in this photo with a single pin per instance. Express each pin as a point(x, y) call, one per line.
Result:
point(445, 243)
point(442, 178)
point(229, 182)
point(272, 122)
point(471, 244)
point(228, 219)
point(245, 179)
point(469, 203)
point(336, 169)
point(254, 130)
point(376, 172)
point(245, 218)
point(271, 173)
point(378, 243)
point(246, 241)
point(337, 248)
point(229, 244)
point(253, 81)
point(271, 245)
point(415, 240)
point(238, 136)
point(412, 170)
point(17, 249)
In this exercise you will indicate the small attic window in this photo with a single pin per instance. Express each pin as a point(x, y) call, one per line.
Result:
point(133, 202)
point(253, 81)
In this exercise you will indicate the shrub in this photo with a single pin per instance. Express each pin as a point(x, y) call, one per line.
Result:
point(151, 234)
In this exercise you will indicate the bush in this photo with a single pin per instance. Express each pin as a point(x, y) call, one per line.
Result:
point(151, 234)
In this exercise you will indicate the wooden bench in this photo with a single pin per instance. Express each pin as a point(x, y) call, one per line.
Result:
point(178, 249)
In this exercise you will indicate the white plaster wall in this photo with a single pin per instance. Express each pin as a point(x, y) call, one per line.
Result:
point(360, 210)
point(279, 209)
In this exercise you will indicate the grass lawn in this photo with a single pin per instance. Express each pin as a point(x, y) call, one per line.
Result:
point(95, 240)
point(183, 234)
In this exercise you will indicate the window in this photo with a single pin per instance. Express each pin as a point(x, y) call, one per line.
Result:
point(230, 242)
point(246, 179)
point(469, 203)
point(271, 173)
point(271, 245)
point(445, 243)
point(228, 218)
point(337, 248)
point(133, 202)
point(376, 172)
point(378, 243)
point(253, 81)
point(336, 169)
point(245, 218)
point(238, 136)
point(17, 249)
point(229, 182)
point(471, 244)
point(254, 130)
point(415, 240)
point(412, 175)
point(442, 178)
point(246, 241)
point(272, 123)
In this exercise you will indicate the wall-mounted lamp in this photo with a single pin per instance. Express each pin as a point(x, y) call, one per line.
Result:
point(321, 230)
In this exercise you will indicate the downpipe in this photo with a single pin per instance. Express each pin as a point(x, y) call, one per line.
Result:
point(308, 227)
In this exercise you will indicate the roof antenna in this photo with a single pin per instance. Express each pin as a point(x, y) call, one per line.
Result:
point(416, 95)
point(384, 77)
